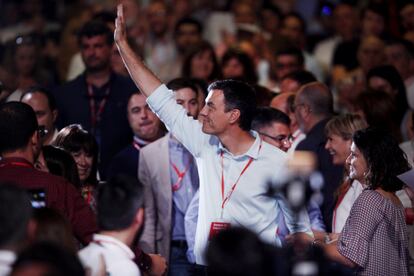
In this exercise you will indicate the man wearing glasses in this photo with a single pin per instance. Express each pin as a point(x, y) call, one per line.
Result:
point(273, 126)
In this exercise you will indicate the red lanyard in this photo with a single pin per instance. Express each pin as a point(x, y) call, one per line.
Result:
point(180, 175)
point(96, 114)
point(227, 198)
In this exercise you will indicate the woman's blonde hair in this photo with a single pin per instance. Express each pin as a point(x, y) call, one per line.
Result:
point(345, 125)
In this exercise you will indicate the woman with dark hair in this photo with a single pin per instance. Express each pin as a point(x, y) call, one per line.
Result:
point(374, 239)
point(201, 63)
point(386, 78)
point(236, 64)
point(61, 163)
point(84, 150)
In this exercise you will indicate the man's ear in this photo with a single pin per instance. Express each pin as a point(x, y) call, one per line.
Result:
point(234, 116)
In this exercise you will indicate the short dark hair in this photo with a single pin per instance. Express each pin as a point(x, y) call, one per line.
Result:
point(18, 123)
point(60, 162)
point(384, 157)
point(188, 21)
point(265, 116)
point(238, 251)
point(38, 89)
point(301, 76)
point(15, 213)
point(74, 138)
point(95, 28)
point(292, 51)
point(180, 83)
point(55, 258)
point(118, 202)
point(238, 95)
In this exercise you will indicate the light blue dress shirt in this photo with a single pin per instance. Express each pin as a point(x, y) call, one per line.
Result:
point(249, 206)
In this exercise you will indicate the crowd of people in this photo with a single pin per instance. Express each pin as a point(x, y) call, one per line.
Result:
point(206, 137)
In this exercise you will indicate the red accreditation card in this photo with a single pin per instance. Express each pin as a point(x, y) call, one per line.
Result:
point(216, 227)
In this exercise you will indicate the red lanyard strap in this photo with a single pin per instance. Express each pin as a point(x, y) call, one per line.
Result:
point(180, 174)
point(227, 198)
point(96, 114)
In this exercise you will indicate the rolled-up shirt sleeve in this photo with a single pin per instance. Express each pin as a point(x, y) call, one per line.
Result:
point(185, 128)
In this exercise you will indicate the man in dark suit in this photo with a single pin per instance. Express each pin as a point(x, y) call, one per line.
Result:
point(313, 109)
point(97, 99)
point(146, 127)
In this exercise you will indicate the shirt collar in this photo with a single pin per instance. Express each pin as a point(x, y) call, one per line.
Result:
point(105, 239)
point(140, 142)
point(252, 152)
point(175, 144)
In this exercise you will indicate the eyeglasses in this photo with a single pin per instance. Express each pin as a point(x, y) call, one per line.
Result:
point(42, 131)
point(281, 139)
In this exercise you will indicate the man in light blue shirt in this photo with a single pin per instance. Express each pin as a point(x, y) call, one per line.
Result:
point(234, 164)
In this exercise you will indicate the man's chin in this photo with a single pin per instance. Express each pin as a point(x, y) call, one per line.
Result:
point(207, 130)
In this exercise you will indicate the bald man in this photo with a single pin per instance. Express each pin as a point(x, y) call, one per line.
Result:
point(313, 109)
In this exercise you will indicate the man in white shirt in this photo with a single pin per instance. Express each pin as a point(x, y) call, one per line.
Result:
point(234, 164)
point(120, 217)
